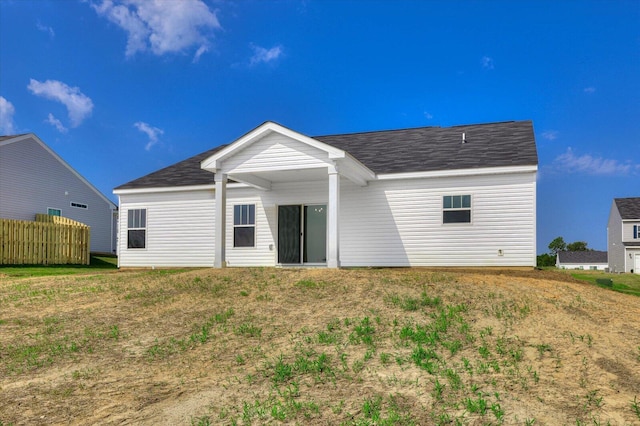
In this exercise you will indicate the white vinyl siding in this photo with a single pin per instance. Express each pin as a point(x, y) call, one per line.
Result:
point(399, 223)
point(275, 152)
point(266, 249)
point(179, 229)
point(387, 223)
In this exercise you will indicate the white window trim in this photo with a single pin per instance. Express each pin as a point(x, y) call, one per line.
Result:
point(443, 209)
point(254, 225)
point(53, 208)
point(146, 233)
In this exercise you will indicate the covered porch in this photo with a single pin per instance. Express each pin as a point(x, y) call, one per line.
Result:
point(272, 154)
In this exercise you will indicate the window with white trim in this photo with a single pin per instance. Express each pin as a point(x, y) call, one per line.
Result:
point(54, 212)
point(456, 209)
point(137, 229)
point(244, 225)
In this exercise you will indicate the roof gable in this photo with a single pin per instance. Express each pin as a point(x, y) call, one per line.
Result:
point(6, 140)
point(214, 161)
point(629, 208)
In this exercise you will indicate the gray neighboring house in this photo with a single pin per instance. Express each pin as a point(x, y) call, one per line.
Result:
point(34, 179)
point(623, 235)
point(430, 196)
point(588, 260)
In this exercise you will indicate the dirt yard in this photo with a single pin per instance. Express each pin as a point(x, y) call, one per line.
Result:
point(362, 346)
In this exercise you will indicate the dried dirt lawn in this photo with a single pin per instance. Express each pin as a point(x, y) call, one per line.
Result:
point(256, 346)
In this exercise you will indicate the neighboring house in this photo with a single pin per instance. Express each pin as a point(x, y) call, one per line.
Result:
point(588, 259)
point(431, 196)
point(623, 235)
point(34, 179)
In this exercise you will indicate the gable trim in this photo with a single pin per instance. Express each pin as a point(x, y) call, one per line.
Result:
point(213, 163)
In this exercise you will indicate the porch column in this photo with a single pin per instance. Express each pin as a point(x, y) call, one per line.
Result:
point(333, 219)
point(220, 260)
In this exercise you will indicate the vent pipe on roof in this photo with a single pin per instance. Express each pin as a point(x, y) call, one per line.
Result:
point(464, 139)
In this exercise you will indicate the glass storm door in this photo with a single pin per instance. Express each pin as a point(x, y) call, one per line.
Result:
point(302, 234)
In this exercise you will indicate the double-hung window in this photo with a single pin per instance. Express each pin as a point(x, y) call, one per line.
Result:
point(54, 212)
point(137, 229)
point(244, 225)
point(456, 209)
point(636, 232)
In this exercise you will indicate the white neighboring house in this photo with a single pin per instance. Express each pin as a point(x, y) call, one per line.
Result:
point(589, 260)
point(430, 196)
point(623, 235)
point(34, 179)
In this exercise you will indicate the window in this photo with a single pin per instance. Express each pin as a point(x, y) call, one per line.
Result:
point(244, 225)
point(79, 205)
point(54, 212)
point(456, 209)
point(137, 228)
point(636, 232)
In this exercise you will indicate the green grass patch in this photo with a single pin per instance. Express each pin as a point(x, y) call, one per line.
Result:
point(622, 283)
point(97, 264)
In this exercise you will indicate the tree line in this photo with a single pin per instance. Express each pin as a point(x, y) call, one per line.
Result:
point(558, 245)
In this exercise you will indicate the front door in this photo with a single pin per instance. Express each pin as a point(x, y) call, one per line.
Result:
point(302, 234)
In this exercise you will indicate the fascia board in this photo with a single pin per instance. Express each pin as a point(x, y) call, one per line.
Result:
point(174, 189)
point(459, 172)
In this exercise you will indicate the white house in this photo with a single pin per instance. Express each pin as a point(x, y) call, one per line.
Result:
point(34, 179)
point(589, 260)
point(430, 196)
point(623, 235)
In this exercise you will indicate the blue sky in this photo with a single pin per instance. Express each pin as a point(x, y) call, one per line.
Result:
point(120, 88)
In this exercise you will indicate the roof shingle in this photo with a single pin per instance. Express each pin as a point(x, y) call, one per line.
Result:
point(419, 149)
point(629, 208)
point(589, 256)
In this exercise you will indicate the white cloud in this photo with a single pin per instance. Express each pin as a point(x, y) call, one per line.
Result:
point(487, 63)
point(572, 163)
point(428, 116)
point(45, 29)
point(56, 123)
point(262, 55)
point(550, 135)
point(7, 126)
point(152, 132)
point(79, 105)
point(589, 90)
point(162, 26)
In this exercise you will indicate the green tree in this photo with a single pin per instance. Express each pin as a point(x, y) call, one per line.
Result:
point(557, 245)
point(545, 259)
point(577, 246)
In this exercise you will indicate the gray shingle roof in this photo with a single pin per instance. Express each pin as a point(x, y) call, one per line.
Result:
point(183, 173)
point(425, 149)
point(629, 208)
point(591, 256)
point(419, 149)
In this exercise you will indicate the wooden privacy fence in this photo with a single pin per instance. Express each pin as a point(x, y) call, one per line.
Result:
point(50, 240)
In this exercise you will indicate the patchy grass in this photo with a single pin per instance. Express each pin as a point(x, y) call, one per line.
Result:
point(348, 347)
